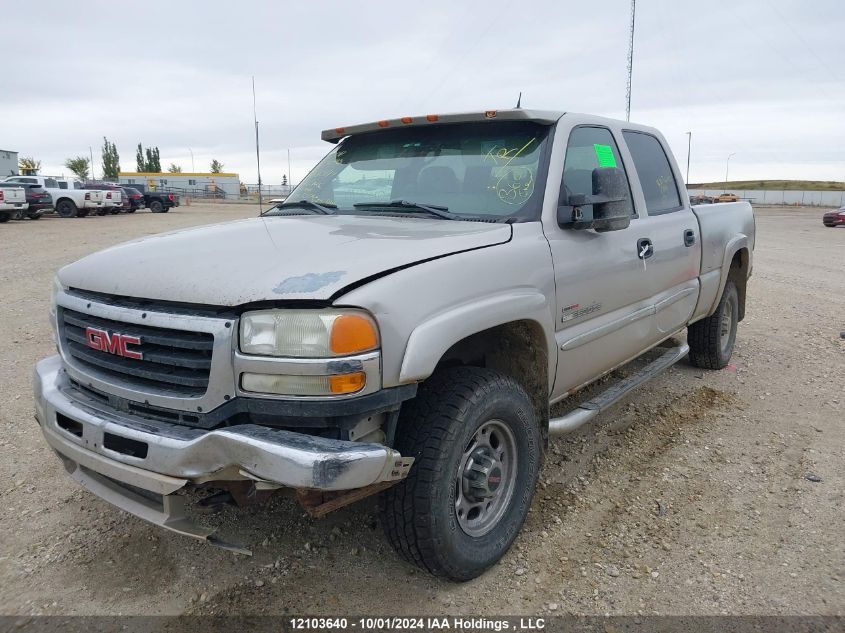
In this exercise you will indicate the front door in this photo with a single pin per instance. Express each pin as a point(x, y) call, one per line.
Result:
point(605, 312)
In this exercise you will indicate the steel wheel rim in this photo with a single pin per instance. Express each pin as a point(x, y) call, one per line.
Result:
point(726, 325)
point(486, 478)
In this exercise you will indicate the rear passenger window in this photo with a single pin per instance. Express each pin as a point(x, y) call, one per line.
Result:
point(588, 148)
point(50, 182)
point(655, 173)
point(62, 184)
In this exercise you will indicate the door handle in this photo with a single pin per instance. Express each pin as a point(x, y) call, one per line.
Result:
point(645, 248)
point(689, 237)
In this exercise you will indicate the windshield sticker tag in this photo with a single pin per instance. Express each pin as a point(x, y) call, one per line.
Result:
point(604, 154)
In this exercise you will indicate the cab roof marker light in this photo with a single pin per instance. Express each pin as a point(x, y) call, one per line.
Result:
point(407, 119)
point(383, 123)
point(431, 117)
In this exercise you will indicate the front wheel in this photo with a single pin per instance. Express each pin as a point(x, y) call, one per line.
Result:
point(711, 340)
point(476, 442)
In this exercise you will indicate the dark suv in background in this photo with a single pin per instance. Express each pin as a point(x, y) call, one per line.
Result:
point(39, 200)
point(132, 199)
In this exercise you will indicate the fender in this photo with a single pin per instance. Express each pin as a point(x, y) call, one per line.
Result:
point(430, 340)
point(734, 245)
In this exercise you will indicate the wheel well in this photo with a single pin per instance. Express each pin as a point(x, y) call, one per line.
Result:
point(517, 349)
point(739, 275)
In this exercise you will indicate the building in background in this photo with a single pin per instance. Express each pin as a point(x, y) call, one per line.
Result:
point(197, 185)
point(8, 163)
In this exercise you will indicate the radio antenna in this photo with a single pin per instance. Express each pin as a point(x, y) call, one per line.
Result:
point(519, 100)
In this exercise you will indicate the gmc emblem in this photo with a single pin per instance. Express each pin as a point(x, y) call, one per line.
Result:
point(114, 343)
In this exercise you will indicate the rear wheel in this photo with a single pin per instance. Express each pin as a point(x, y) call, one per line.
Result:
point(83, 213)
point(66, 208)
point(476, 441)
point(35, 215)
point(156, 206)
point(5, 217)
point(711, 340)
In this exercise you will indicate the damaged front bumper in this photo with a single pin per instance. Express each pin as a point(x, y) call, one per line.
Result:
point(138, 464)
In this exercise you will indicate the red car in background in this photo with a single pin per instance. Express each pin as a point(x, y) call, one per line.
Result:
point(834, 218)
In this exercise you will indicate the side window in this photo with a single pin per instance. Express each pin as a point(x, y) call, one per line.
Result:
point(51, 182)
point(62, 184)
point(589, 148)
point(655, 173)
point(77, 184)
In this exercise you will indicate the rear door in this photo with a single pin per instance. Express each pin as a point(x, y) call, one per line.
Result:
point(673, 265)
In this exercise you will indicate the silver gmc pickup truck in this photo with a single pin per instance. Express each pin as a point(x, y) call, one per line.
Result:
point(400, 326)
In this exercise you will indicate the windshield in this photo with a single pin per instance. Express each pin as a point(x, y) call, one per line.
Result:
point(478, 169)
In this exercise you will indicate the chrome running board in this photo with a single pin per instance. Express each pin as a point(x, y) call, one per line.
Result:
point(590, 409)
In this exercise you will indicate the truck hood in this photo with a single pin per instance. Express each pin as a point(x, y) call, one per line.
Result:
point(273, 258)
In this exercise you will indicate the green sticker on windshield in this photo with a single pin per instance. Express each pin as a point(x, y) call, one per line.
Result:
point(604, 154)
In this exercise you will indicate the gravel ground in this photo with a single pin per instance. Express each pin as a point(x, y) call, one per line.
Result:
point(691, 497)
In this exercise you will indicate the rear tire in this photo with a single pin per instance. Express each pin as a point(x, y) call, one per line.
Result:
point(83, 213)
point(476, 442)
point(156, 206)
point(5, 217)
point(711, 340)
point(66, 209)
point(36, 215)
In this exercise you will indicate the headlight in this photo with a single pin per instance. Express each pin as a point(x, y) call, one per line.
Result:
point(55, 289)
point(307, 333)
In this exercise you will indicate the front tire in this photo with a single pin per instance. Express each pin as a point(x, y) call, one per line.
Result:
point(711, 340)
point(476, 442)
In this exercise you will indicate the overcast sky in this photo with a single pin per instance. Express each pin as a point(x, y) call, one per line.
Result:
point(762, 78)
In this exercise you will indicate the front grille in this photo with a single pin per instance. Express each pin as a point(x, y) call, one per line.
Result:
point(177, 362)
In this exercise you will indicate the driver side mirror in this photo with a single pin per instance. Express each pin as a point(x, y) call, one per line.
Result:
point(610, 201)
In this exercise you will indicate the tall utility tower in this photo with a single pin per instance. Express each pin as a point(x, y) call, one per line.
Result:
point(630, 62)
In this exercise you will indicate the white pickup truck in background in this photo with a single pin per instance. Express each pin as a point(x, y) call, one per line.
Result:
point(70, 198)
point(12, 202)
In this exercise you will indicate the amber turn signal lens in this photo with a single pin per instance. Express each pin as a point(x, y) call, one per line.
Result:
point(352, 333)
point(347, 383)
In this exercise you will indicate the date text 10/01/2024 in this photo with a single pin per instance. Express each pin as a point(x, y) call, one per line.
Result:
point(412, 623)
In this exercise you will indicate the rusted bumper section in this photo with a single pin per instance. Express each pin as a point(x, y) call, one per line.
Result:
point(138, 464)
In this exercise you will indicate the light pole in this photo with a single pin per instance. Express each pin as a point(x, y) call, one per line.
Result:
point(689, 148)
point(727, 166)
point(290, 176)
point(193, 169)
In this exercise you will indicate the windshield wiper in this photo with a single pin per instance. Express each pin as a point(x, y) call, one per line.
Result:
point(326, 208)
point(432, 209)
